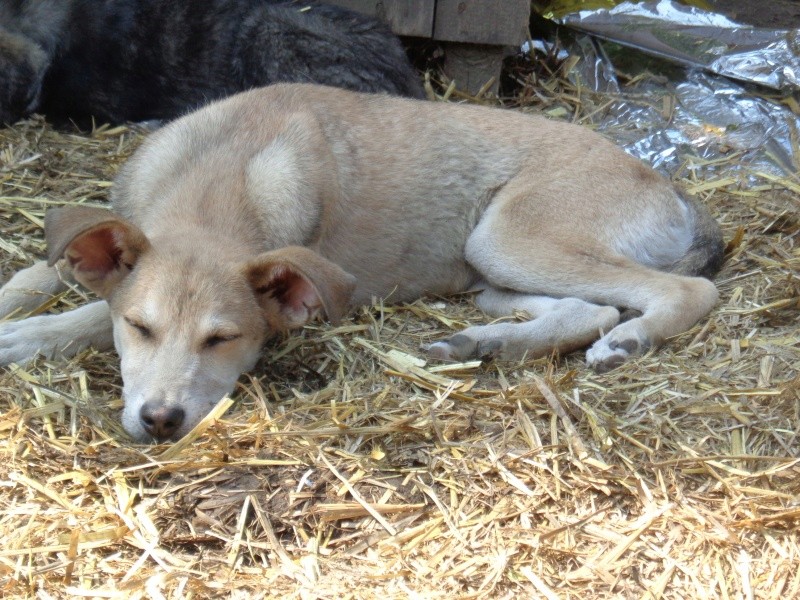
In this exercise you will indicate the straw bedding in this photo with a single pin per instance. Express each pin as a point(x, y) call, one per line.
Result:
point(347, 467)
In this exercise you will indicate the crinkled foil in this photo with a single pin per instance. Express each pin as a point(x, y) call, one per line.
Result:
point(698, 38)
point(710, 116)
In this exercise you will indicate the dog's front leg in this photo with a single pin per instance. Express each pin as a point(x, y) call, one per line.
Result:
point(29, 288)
point(56, 336)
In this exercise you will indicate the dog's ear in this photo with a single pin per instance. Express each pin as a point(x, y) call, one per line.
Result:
point(100, 247)
point(293, 284)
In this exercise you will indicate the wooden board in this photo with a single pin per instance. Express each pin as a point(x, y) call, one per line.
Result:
point(472, 66)
point(492, 22)
point(405, 17)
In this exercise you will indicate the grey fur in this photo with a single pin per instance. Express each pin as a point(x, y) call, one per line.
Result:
point(123, 60)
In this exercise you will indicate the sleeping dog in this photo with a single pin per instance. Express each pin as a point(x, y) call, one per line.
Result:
point(268, 209)
point(134, 60)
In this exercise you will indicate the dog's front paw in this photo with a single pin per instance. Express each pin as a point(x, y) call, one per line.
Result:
point(613, 349)
point(464, 347)
point(20, 341)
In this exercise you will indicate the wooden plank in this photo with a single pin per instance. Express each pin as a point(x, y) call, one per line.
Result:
point(405, 17)
point(493, 22)
point(472, 66)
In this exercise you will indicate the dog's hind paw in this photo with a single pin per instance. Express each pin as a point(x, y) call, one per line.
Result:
point(463, 347)
point(612, 350)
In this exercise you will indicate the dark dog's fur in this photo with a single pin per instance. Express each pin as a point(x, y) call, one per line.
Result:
point(119, 60)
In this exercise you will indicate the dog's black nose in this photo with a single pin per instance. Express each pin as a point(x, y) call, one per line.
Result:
point(161, 421)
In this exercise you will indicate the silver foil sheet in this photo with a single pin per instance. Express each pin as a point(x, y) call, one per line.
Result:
point(709, 112)
point(697, 38)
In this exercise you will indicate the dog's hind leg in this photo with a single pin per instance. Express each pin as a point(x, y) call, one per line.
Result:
point(670, 304)
point(557, 324)
point(516, 248)
point(30, 288)
point(53, 336)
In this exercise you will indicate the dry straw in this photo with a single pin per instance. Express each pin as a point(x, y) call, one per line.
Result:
point(348, 467)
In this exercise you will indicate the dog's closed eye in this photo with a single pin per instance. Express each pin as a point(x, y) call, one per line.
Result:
point(218, 339)
point(142, 330)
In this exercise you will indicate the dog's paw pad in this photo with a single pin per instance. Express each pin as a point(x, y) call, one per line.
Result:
point(629, 346)
point(603, 358)
point(458, 347)
point(489, 350)
point(609, 353)
point(609, 363)
point(463, 347)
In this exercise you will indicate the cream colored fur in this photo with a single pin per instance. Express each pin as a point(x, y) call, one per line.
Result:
point(272, 207)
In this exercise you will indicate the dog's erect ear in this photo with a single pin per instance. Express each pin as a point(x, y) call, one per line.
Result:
point(100, 247)
point(293, 284)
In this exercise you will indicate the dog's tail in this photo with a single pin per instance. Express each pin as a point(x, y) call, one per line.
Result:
point(706, 253)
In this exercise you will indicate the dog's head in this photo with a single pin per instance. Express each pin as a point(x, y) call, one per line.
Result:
point(189, 316)
point(23, 64)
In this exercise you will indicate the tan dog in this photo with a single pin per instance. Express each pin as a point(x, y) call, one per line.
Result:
point(260, 212)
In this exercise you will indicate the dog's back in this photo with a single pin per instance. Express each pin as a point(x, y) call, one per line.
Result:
point(412, 177)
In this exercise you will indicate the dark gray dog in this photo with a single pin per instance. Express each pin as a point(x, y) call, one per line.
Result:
point(133, 60)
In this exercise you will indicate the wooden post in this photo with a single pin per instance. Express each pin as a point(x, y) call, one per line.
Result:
point(479, 32)
point(475, 33)
point(472, 66)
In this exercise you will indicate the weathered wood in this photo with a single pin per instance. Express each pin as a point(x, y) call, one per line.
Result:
point(405, 17)
point(475, 32)
point(503, 22)
point(472, 66)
